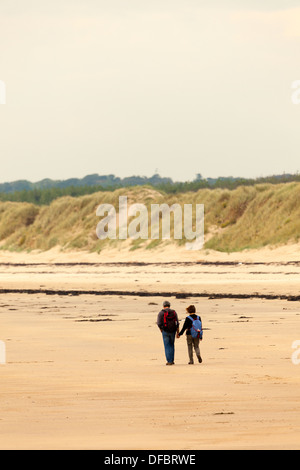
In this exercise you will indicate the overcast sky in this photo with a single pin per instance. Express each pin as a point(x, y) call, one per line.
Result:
point(136, 87)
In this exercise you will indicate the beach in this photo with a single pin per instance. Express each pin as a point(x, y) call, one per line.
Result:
point(150, 157)
point(85, 365)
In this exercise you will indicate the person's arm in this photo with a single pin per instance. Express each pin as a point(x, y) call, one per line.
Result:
point(177, 331)
point(186, 326)
point(160, 320)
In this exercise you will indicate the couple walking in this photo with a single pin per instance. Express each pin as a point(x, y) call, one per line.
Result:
point(167, 322)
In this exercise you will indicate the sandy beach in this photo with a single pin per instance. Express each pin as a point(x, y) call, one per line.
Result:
point(150, 153)
point(85, 366)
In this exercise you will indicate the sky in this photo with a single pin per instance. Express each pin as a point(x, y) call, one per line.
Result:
point(135, 87)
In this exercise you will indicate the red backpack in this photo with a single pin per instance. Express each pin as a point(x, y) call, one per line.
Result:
point(170, 320)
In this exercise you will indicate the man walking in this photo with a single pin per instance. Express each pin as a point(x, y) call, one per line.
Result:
point(167, 322)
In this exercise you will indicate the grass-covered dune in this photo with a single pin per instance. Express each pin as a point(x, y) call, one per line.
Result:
point(244, 218)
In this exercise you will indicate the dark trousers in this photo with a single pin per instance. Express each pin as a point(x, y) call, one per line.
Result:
point(169, 344)
point(193, 343)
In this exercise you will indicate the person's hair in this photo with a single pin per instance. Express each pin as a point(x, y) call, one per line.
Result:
point(191, 309)
point(166, 303)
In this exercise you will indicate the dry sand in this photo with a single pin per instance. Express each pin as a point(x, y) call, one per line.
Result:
point(88, 371)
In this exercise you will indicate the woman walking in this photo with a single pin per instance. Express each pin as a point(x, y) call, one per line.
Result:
point(193, 328)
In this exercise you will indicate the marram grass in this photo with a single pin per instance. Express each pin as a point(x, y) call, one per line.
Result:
point(244, 218)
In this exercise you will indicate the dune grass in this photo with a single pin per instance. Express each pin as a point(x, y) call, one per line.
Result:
point(246, 217)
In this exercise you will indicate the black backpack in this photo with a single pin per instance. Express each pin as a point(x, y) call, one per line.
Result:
point(170, 321)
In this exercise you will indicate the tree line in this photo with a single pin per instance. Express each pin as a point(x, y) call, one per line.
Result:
point(44, 192)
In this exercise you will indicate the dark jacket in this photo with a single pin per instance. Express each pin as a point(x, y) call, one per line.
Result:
point(160, 318)
point(188, 324)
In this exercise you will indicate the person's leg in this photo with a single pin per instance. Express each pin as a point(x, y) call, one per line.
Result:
point(166, 344)
point(189, 341)
point(169, 340)
point(196, 342)
point(172, 347)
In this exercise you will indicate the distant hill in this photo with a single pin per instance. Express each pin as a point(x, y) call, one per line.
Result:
point(105, 181)
point(45, 191)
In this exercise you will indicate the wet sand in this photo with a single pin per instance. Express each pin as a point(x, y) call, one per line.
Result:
point(86, 370)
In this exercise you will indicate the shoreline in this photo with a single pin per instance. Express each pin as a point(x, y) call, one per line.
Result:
point(176, 295)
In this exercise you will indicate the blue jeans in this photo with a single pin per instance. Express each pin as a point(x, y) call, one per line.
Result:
point(169, 344)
